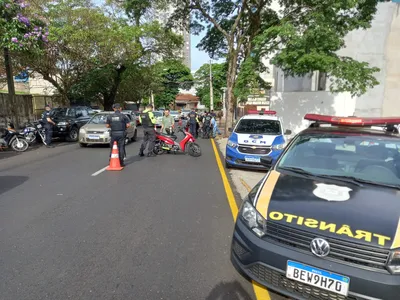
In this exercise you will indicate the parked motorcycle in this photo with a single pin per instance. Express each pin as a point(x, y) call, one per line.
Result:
point(13, 139)
point(34, 132)
point(168, 143)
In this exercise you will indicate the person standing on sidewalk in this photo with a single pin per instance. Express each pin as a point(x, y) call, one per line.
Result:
point(148, 122)
point(48, 126)
point(118, 123)
point(215, 128)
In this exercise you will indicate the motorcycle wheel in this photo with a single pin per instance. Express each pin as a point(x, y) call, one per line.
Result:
point(19, 145)
point(194, 150)
point(158, 150)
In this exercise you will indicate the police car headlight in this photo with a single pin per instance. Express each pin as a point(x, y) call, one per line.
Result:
point(394, 262)
point(82, 130)
point(232, 144)
point(279, 146)
point(253, 219)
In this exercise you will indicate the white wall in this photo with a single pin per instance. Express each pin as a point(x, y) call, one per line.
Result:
point(391, 106)
point(39, 86)
point(370, 46)
point(292, 107)
point(380, 47)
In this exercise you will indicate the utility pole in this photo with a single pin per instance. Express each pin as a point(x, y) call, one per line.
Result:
point(152, 98)
point(211, 88)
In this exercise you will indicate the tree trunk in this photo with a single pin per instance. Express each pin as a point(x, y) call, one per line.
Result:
point(230, 97)
point(110, 98)
point(12, 106)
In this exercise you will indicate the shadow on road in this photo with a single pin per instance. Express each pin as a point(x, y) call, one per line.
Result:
point(9, 182)
point(229, 291)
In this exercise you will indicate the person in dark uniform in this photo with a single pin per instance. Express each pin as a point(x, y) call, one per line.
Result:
point(118, 123)
point(193, 121)
point(207, 126)
point(48, 124)
point(148, 122)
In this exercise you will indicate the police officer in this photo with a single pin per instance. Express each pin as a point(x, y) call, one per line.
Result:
point(48, 124)
point(148, 122)
point(118, 123)
point(193, 121)
point(207, 125)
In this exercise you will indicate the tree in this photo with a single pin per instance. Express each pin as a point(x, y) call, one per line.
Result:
point(202, 78)
point(89, 51)
point(243, 30)
point(175, 75)
point(19, 30)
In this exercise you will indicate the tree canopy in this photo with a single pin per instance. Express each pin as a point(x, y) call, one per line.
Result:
point(202, 78)
point(301, 37)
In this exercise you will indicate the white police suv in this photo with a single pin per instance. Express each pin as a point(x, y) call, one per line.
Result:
point(260, 133)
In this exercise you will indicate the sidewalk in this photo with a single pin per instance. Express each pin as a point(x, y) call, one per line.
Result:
point(243, 180)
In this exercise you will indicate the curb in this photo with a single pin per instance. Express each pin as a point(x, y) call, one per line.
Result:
point(248, 188)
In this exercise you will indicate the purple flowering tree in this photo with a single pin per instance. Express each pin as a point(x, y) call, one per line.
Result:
point(20, 30)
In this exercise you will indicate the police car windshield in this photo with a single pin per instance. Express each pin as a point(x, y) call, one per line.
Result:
point(259, 126)
point(98, 119)
point(365, 157)
point(157, 114)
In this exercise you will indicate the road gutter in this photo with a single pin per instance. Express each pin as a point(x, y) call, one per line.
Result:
point(260, 291)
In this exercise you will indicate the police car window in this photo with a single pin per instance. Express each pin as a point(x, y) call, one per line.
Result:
point(259, 126)
point(98, 119)
point(157, 114)
point(372, 158)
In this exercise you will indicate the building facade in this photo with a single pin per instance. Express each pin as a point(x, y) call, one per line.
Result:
point(163, 16)
point(293, 97)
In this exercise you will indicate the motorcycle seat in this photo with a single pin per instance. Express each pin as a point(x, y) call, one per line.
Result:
point(173, 137)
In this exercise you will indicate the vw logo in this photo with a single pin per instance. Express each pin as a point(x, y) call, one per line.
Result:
point(320, 247)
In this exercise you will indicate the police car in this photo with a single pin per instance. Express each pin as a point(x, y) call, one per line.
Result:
point(258, 134)
point(324, 223)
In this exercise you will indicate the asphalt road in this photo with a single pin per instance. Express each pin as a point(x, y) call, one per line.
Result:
point(159, 229)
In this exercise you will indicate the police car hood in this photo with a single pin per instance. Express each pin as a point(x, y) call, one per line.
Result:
point(255, 139)
point(335, 209)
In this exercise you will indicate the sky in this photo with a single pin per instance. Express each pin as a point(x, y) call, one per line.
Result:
point(198, 57)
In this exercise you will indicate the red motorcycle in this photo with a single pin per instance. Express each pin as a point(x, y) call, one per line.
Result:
point(168, 143)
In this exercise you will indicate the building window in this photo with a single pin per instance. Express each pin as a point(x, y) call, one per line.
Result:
point(321, 81)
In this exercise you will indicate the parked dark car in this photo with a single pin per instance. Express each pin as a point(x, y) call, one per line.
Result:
point(69, 120)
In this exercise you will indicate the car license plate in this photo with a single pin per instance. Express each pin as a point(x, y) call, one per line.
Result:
point(94, 137)
point(252, 159)
point(319, 278)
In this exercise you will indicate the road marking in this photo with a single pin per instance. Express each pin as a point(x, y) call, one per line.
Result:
point(260, 292)
point(248, 188)
point(227, 186)
point(99, 171)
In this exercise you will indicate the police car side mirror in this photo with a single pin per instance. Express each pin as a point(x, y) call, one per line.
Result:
point(288, 132)
point(266, 161)
point(230, 129)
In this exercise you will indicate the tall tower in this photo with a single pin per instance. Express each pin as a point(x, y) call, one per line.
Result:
point(184, 53)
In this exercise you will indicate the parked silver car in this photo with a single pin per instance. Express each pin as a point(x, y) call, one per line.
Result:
point(96, 132)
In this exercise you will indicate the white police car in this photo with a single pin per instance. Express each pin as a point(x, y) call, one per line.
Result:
point(260, 133)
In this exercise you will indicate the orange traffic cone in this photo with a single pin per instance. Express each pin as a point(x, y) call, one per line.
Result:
point(115, 164)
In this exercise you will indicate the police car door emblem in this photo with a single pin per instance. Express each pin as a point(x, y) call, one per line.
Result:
point(331, 192)
point(319, 247)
